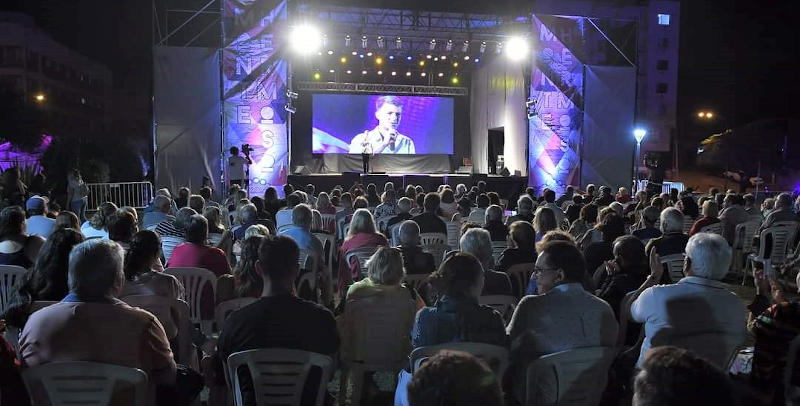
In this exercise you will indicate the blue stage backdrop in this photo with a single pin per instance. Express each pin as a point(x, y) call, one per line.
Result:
point(427, 121)
point(254, 85)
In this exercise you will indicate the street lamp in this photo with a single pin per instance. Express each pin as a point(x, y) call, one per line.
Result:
point(639, 135)
point(39, 97)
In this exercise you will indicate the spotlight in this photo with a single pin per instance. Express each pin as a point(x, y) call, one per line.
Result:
point(499, 48)
point(465, 47)
point(289, 108)
point(363, 41)
point(330, 52)
point(391, 57)
point(441, 74)
point(363, 72)
point(423, 74)
point(332, 71)
point(292, 95)
point(421, 63)
point(483, 47)
point(361, 56)
point(354, 53)
point(517, 48)
point(477, 60)
point(343, 60)
point(436, 59)
point(317, 76)
point(369, 53)
point(639, 134)
point(432, 45)
point(454, 80)
point(408, 58)
point(378, 60)
point(530, 102)
point(305, 39)
point(394, 73)
point(466, 57)
point(381, 42)
point(380, 72)
point(443, 57)
point(428, 56)
point(408, 73)
point(347, 40)
point(455, 64)
point(349, 71)
point(449, 46)
point(398, 43)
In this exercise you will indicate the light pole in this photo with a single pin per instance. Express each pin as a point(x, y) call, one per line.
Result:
point(639, 134)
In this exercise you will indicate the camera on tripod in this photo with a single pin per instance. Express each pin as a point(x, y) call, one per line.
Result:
point(247, 149)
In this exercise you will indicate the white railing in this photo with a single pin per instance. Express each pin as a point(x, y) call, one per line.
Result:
point(665, 187)
point(134, 194)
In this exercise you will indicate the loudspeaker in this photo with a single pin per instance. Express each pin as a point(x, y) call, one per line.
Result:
point(464, 169)
point(505, 172)
point(301, 170)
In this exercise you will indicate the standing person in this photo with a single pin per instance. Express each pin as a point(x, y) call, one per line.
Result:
point(76, 194)
point(236, 164)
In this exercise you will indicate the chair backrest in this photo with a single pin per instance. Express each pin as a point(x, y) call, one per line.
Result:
point(381, 222)
point(781, 237)
point(572, 377)
point(497, 248)
point(329, 222)
point(381, 337)
point(716, 228)
point(226, 308)
point(477, 216)
point(84, 383)
point(361, 255)
point(688, 222)
point(519, 275)
point(307, 283)
point(743, 237)
point(674, 264)
point(494, 355)
point(194, 281)
point(168, 244)
point(10, 276)
point(432, 239)
point(437, 250)
point(278, 375)
point(505, 304)
point(717, 348)
point(453, 234)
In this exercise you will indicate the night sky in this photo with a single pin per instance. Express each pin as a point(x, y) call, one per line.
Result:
point(736, 57)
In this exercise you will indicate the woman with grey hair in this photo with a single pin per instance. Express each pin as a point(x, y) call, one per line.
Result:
point(477, 241)
point(673, 241)
point(362, 233)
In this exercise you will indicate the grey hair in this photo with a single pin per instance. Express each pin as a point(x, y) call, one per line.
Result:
point(525, 204)
point(362, 222)
point(409, 233)
point(404, 204)
point(784, 200)
point(164, 192)
point(302, 216)
point(95, 268)
point(617, 207)
point(710, 255)
point(323, 200)
point(478, 242)
point(385, 266)
point(461, 188)
point(183, 217)
point(493, 212)
point(256, 230)
point(316, 220)
point(650, 215)
point(162, 201)
point(671, 220)
point(248, 213)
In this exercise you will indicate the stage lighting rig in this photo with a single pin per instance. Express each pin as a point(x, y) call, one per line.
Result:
point(499, 48)
point(289, 108)
point(449, 46)
point(305, 39)
point(483, 47)
point(465, 47)
point(347, 40)
point(292, 95)
point(364, 41)
point(398, 43)
point(517, 48)
point(381, 42)
point(432, 45)
point(530, 108)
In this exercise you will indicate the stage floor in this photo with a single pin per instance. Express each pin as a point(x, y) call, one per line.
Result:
point(509, 187)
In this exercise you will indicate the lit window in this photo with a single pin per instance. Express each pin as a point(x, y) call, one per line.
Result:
point(663, 19)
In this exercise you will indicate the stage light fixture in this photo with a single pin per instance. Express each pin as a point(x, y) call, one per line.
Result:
point(394, 73)
point(429, 56)
point(398, 43)
point(449, 46)
point(483, 47)
point(454, 80)
point(363, 72)
point(317, 76)
point(423, 74)
point(332, 71)
point(324, 40)
point(709, 115)
point(432, 45)
point(477, 60)
point(349, 71)
point(455, 64)
point(381, 42)
point(361, 56)
point(292, 95)
point(391, 57)
point(290, 109)
point(369, 53)
point(701, 114)
point(639, 134)
point(529, 103)
point(421, 63)
point(354, 53)
point(363, 41)
point(465, 47)
point(305, 39)
point(347, 40)
point(343, 60)
point(330, 52)
point(408, 73)
point(443, 57)
point(499, 47)
point(380, 72)
point(441, 74)
point(436, 59)
point(517, 48)
point(466, 57)
point(378, 61)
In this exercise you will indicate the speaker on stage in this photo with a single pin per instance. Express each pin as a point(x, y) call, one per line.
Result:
point(301, 170)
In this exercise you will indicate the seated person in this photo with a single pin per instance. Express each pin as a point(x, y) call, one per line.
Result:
point(162, 206)
point(697, 304)
point(457, 316)
point(283, 217)
point(144, 274)
point(177, 227)
point(246, 280)
point(493, 223)
point(361, 234)
point(38, 223)
point(96, 226)
point(279, 319)
point(403, 208)
point(89, 324)
point(415, 260)
point(710, 215)
point(544, 221)
point(476, 241)
point(673, 240)
point(648, 231)
point(524, 210)
point(195, 253)
point(17, 247)
point(454, 378)
point(428, 221)
point(521, 246)
point(388, 207)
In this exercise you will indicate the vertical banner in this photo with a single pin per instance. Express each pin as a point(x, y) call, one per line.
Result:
point(554, 135)
point(254, 76)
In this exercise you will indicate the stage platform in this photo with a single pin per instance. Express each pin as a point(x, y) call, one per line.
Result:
point(509, 187)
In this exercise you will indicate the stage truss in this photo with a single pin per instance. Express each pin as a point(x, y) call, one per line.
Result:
point(380, 88)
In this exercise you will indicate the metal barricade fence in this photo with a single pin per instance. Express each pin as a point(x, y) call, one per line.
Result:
point(134, 194)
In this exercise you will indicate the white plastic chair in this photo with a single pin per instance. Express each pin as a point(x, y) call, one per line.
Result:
point(432, 239)
point(168, 244)
point(307, 262)
point(362, 255)
point(477, 216)
point(505, 304)
point(83, 383)
point(10, 276)
point(278, 375)
point(781, 235)
point(378, 338)
point(520, 274)
point(329, 222)
point(688, 222)
point(497, 249)
point(381, 222)
point(194, 280)
point(494, 355)
point(674, 266)
point(571, 377)
point(453, 234)
point(743, 244)
point(716, 228)
point(174, 317)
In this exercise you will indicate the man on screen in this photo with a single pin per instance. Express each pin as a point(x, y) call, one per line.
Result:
point(384, 138)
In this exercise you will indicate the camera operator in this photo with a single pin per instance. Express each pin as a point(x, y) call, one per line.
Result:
point(236, 163)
